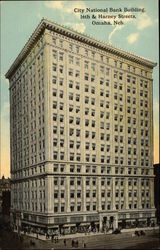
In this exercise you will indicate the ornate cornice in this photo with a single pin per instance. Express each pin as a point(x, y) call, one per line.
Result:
point(45, 24)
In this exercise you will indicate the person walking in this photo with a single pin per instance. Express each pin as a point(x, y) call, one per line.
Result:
point(72, 243)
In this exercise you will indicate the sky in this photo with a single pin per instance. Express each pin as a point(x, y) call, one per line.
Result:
point(20, 18)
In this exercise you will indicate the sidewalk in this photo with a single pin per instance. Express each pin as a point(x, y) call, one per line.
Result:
point(79, 235)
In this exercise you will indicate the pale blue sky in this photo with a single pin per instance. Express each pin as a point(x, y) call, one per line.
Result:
point(20, 18)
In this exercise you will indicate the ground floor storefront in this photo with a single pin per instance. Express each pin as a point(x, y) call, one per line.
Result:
point(52, 226)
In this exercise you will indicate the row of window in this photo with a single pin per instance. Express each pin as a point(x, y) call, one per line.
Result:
point(92, 54)
point(104, 181)
point(93, 207)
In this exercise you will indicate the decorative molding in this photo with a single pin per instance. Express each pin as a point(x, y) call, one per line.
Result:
point(45, 24)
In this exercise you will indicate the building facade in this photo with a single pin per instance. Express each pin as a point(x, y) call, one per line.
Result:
point(81, 114)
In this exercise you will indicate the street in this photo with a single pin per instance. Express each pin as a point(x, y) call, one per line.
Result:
point(151, 240)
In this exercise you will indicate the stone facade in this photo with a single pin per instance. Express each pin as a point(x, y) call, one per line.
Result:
point(81, 115)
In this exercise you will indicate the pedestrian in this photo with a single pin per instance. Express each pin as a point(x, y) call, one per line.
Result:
point(65, 242)
point(72, 243)
point(52, 237)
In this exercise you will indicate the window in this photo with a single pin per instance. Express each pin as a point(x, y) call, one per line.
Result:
point(55, 167)
point(92, 101)
point(93, 135)
point(70, 59)
point(93, 146)
point(77, 132)
point(107, 83)
point(101, 69)
point(54, 40)
point(86, 99)
point(93, 90)
point(70, 46)
point(92, 78)
point(107, 104)
point(61, 56)
point(86, 63)
point(78, 169)
point(93, 181)
point(78, 181)
point(54, 54)
point(56, 208)
point(93, 66)
point(108, 148)
point(77, 97)
point(107, 115)
point(87, 145)
point(72, 207)
point(61, 69)
point(120, 76)
point(86, 88)
point(77, 73)
point(70, 84)
point(70, 72)
point(77, 85)
point(86, 77)
point(78, 194)
point(54, 67)
point(77, 61)
point(71, 156)
point(93, 158)
point(77, 109)
point(77, 49)
point(61, 43)
point(77, 120)
point(54, 79)
point(70, 96)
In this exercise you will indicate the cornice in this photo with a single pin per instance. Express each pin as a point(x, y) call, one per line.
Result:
point(61, 29)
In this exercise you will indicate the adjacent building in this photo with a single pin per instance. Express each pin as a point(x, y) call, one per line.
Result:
point(5, 190)
point(157, 190)
point(81, 114)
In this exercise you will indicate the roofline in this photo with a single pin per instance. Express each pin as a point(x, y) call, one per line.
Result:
point(45, 24)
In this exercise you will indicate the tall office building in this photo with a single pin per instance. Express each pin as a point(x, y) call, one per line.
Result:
point(81, 114)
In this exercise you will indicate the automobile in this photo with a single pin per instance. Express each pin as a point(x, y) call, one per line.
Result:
point(137, 233)
point(116, 231)
point(142, 232)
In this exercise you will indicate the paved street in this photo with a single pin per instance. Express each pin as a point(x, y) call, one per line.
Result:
point(124, 241)
point(120, 241)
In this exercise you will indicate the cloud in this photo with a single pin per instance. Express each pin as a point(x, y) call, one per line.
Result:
point(80, 27)
point(132, 38)
point(141, 22)
point(4, 80)
point(144, 21)
point(39, 15)
point(54, 4)
point(119, 27)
